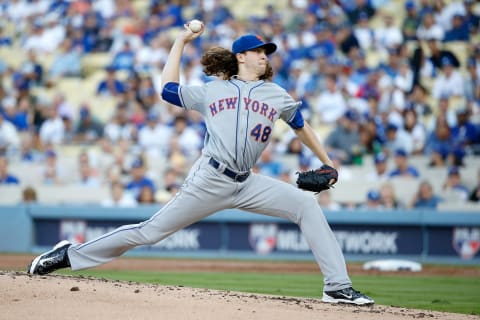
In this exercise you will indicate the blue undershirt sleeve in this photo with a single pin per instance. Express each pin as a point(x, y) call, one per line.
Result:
point(170, 93)
point(297, 120)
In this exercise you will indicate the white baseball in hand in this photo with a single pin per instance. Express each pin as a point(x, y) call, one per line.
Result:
point(195, 25)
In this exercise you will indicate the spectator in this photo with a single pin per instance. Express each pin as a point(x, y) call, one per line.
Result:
point(153, 56)
point(92, 22)
point(146, 196)
point(53, 173)
point(54, 32)
point(35, 40)
point(425, 197)
point(125, 58)
point(380, 172)
point(429, 30)
point(52, 130)
point(323, 45)
point(472, 81)
point(360, 7)
point(373, 201)
point(402, 168)
point(267, 164)
point(188, 140)
point(364, 33)
point(80, 41)
point(472, 19)
point(439, 144)
point(360, 72)
point(440, 57)
point(29, 195)
point(5, 176)
point(422, 67)
point(152, 29)
point(346, 40)
point(118, 168)
point(154, 137)
point(475, 193)
point(397, 138)
point(33, 69)
point(172, 177)
point(369, 143)
point(60, 103)
point(418, 101)
point(389, 36)
point(445, 11)
point(88, 177)
point(139, 179)
point(146, 94)
point(119, 128)
point(124, 9)
point(66, 63)
point(411, 21)
point(450, 81)
point(299, 79)
point(89, 130)
point(415, 129)
point(460, 30)
point(388, 199)
point(453, 184)
point(28, 152)
point(137, 114)
point(119, 198)
point(104, 39)
point(170, 13)
point(344, 139)
point(9, 138)
point(110, 86)
point(465, 133)
point(330, 105)
point(444, 112)
point(20, 115)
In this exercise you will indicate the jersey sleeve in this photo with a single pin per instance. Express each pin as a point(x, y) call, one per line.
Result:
point(192, 97)
point(289, 108)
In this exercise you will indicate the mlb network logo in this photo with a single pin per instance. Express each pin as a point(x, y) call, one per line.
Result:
point(263, 237)
point(466, 241)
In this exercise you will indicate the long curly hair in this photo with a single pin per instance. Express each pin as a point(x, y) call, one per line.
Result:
point(222, 63)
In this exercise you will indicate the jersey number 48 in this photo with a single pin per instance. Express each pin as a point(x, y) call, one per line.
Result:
point(261, 133)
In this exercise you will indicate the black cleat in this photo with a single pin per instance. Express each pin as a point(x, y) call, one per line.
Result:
point(347, 295)
point(55, 259)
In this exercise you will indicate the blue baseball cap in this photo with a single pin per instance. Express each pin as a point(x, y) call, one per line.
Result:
point(351, 115)
point(137, 163)
point(409, 5)
point(152, 116)
point(252, 41)
point(392, 126)
point(373, 195)
point(400, 153)
point(446, 62)
point(380, 158)
point(453, 171)
point(50, 153)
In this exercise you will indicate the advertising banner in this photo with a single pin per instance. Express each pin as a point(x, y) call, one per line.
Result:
point(269, 239)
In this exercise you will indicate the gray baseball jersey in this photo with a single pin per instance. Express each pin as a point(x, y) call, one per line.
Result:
point(239, 117)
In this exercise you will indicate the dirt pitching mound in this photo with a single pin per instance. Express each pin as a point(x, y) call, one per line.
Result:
point(64, 297)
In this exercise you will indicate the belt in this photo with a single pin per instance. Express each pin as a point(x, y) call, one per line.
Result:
point(239, 177)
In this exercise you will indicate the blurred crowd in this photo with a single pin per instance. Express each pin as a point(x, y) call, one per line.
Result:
point(386, 84)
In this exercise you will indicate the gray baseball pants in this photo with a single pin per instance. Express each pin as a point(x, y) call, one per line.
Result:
point(206, 191)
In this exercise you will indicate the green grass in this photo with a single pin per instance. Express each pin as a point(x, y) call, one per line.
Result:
point(448, 293)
